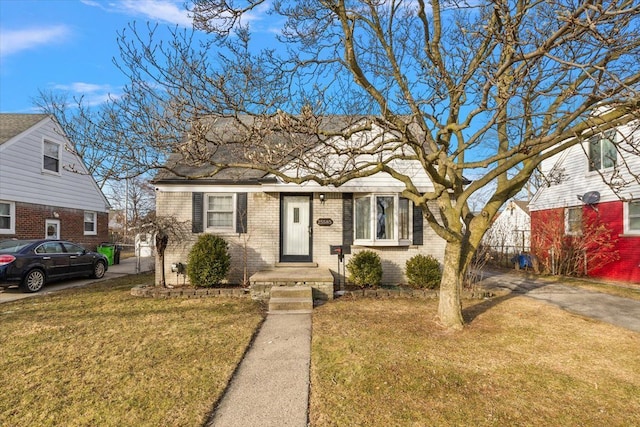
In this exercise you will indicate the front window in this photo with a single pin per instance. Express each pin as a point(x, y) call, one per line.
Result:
point(51, 157)
point(573, 221)
point(602, 152)
point(90, 223)
point(7, 217)
point(381, 219)
point(220, 212)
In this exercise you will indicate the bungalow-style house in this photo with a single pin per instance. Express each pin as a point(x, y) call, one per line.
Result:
point(591, 206)
point(510, 232)
point(271, 225)
point(45, 189)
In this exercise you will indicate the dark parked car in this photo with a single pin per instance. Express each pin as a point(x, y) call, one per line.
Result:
point(33, 263)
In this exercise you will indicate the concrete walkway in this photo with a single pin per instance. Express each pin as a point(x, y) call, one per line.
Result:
point(607, 308)
point(271, 385)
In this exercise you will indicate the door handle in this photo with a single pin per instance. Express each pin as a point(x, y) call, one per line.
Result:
point(73, 257)
point(310, 230)
point(46, 257)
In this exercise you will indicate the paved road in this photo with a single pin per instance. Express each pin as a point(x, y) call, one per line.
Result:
point(126, 266)
point(612, 309)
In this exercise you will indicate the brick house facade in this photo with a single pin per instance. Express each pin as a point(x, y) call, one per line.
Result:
point(270, 223)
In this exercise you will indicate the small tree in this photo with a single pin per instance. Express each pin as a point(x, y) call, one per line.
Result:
point(166, 229)
point(365, 269)
point(209, 261)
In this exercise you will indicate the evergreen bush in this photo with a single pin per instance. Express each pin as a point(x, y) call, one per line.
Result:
point(423, 272)
point(365, 269)
point(209, 261)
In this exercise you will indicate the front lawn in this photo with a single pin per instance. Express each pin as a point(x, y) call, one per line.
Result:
point(97, 356)
point(519, 362)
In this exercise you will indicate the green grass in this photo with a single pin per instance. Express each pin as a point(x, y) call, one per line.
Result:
point(99, 356)
point(387, 362)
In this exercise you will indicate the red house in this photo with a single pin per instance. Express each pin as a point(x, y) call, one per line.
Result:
point(586, 220)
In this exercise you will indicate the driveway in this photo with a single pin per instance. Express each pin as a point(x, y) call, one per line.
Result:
point(612, 309)
point(127, 266)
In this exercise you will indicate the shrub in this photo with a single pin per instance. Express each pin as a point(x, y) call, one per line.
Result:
point(423, 271)
point(365, 268)
point(209, 261)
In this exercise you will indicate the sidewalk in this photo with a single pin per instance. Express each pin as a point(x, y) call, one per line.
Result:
point(271, 385)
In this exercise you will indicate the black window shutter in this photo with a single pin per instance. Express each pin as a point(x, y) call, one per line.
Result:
point(347, 219)
point(418, 237)
point(241, 212)
point(197, 218)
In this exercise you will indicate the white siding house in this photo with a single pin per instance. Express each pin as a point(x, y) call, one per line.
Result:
point(45, 189)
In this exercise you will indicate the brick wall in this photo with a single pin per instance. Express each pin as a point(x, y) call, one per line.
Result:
point(261, 244)
point(31, 219)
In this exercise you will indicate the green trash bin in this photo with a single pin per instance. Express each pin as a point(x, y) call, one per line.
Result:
point(108, 250)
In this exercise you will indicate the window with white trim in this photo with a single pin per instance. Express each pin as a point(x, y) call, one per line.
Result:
point(90, 223)
point(632, 217)
point(52, 229)
point(220, 211)
point(51, 153)
point(7, 217)
point(602, 151)
point(382, 219)
point(573, 221)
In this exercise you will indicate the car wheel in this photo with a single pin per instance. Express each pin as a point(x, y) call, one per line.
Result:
point(98, 270)
point(33, 281)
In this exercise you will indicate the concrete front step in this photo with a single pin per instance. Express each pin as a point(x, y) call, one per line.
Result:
point(291, 292)
point(296, 299)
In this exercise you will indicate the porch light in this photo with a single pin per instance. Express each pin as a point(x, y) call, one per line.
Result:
point(321, 197)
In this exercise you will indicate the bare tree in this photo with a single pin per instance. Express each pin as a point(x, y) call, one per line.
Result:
point(485, 89)
point(135, 197)
point(101, 147)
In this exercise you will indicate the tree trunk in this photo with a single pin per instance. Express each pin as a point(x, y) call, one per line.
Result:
point(450, 306)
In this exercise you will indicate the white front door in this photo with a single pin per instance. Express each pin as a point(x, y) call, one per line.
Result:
point(296, 228)
point(52, 229)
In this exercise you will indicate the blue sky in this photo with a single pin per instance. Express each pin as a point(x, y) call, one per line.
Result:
point(68, 45)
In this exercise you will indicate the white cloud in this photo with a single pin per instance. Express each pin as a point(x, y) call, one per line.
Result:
point(14, 41)
point(91, 94)
point(167, 11)
point(159, 10)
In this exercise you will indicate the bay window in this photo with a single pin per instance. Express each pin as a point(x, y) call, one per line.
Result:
point(382, 219)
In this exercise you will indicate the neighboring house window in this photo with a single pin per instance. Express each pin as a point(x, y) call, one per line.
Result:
point(632, 217)
point(573, 220)
point(7, 217)
point(51, 156)
point(381, 219)
point(90, 223)
point(602, 152)
point(220, 211)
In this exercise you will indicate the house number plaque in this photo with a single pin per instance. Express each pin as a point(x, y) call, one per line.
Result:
point(324, 221)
